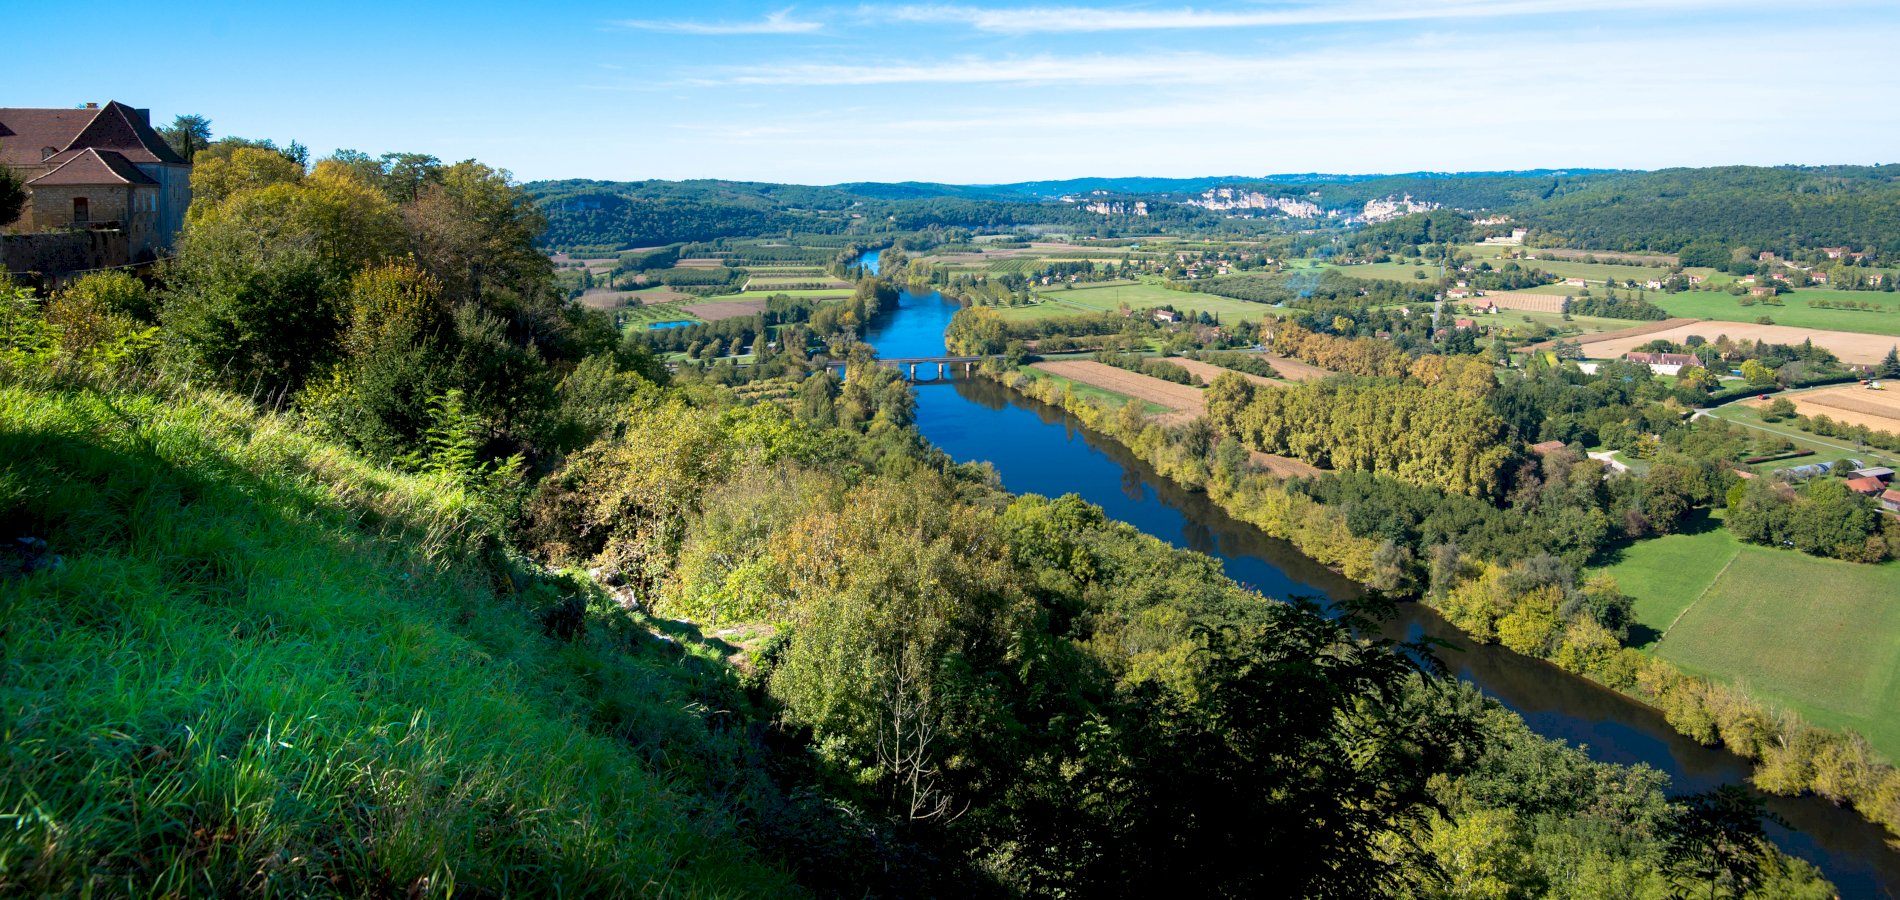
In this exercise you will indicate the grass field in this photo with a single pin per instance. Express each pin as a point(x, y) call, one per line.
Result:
point(1667, 574)
point(1795, 311)
point(1818, 636)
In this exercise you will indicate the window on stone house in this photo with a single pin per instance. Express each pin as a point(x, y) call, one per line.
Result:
point(82, 210)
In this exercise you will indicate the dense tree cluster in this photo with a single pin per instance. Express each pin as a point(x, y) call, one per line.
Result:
point(1447, 438)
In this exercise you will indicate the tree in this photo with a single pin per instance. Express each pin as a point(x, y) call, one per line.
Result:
point(187, 135)
point(1889, 364)
point(12, 196)
point(1717, 846)
point(1757, 374)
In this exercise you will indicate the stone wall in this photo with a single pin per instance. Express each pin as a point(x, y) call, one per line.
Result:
point(49, 255)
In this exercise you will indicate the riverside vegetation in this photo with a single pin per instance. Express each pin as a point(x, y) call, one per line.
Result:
point(1496, 541)
point(347, 557)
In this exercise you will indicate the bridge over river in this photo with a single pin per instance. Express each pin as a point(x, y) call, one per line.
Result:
point(945, 366)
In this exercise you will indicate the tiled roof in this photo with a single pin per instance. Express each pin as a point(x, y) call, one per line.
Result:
point(93, 167)
point(26, 133)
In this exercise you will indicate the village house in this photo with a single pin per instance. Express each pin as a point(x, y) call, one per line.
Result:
point(1882, 473)
point(97, 168)
point(1696, 279)
point(1762, 291)
point(1653, 284)
point(1544, 448)
point(1166, 315)
point(1890, 501)
point(1664, 363)
point(1576, 282)
point(1834, 252)
point(1869, 487)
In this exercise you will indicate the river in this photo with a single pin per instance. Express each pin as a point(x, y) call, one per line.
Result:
point(1040, 449)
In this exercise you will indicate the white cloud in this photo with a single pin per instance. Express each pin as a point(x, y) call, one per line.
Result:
point(1097, 19)
point(780, 22)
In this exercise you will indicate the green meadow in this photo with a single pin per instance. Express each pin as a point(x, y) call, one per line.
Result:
point(1818, 636)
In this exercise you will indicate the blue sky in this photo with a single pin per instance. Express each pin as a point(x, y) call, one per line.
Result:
point(988, 92)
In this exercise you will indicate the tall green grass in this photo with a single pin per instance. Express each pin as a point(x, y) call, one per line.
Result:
point(268, 666)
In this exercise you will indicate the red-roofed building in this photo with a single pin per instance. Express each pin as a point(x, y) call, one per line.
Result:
point(1890, 501)
point(97, 167)
point(1867, 486)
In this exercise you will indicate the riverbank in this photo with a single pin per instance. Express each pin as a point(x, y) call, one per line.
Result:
point(1789, 757)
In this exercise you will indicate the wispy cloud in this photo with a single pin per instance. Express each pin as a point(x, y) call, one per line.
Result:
point(780, 22)
point(1174, 68)
point(1030, 20)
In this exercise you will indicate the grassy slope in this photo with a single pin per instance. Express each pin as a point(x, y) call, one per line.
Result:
point(1819, 636)
point(266, 665)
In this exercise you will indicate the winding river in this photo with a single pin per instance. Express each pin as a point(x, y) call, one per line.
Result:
point(1044, 450)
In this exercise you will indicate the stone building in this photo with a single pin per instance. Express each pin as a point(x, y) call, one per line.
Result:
point(100, 169)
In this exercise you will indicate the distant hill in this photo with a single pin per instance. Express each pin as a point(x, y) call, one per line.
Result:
point(1781, 208)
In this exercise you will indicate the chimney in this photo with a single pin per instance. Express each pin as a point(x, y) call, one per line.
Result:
point(92, 106)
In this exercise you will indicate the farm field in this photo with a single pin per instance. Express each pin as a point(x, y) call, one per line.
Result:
point(1523, 300)
point(713, 311)
point(1182, 402)
point(1746, 414)
point(1209, 372)
point(775, 283)
point(1386, 271)
point(1575, 325)
point(1863, 349)
point(1142, 295)
point(1849, 403)
point(825, 294)
point(1295, 370)
point(1795, 311)
point(1638, 333)
point(1496, 251)
point(1088, 390)
point(1597, 273)
point(1818, 636)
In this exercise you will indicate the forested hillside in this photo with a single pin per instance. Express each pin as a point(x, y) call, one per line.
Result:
point(1719, 209)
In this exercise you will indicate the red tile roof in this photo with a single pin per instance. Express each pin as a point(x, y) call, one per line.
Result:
point(1866, 485)
point(1890, 496)
point(91, 166)
point(26, 133)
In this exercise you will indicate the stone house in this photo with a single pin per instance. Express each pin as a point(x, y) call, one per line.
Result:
point(97, 168)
